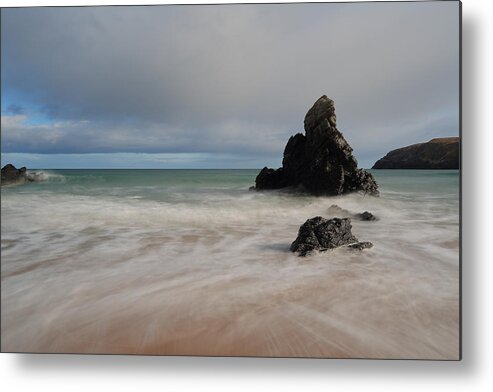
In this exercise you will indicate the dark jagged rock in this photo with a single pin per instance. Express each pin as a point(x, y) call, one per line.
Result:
point(269, 179)
point(366, 216)
point(439, 153)
point(360, 245)
point(11, 175)
point(321, 162)
point(321, 234)
point(362, 181)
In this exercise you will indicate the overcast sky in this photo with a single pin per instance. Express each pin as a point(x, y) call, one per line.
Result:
point(224, 85)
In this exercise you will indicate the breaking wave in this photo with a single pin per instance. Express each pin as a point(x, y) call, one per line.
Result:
point(44, 176)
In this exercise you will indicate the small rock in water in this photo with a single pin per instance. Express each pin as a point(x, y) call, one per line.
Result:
point(366, 216)
point(361, 245)
point(336, 211)
point(321, 234)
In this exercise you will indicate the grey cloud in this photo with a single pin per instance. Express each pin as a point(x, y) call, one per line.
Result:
point(233, 77)
point(87, 137)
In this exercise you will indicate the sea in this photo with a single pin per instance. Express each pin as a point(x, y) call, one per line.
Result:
point(192, 262)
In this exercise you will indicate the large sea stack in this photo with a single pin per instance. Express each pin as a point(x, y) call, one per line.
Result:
point(439, 153)
point(321, 162)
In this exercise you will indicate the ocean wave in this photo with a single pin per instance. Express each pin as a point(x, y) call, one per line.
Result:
point(44, 176)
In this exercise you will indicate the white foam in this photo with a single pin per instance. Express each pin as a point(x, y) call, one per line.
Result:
point(43, 175)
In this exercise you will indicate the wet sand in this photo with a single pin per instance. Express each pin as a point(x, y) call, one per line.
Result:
point(316, 307)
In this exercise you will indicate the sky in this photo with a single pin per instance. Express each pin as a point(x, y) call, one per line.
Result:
point(221, 86)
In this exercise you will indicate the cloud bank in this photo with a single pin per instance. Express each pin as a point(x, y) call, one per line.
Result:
point(230, 80)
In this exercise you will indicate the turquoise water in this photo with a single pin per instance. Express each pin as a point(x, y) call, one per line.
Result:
point(192, 262)
point(431, 182)
point(161, 184)
point(148, 184)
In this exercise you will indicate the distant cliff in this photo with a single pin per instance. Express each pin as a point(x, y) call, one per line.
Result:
point(439, 153)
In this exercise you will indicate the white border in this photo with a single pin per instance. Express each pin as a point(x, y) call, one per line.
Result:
point(474, 373)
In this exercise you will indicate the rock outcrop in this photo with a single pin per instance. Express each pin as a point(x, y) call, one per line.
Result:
point(335, 211)
point(439, 153)
point(361, 245)
point(338, 212)
point(11, 175)
point(322, 234)
point(321, 161)
point(366, 216)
